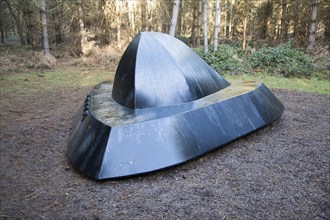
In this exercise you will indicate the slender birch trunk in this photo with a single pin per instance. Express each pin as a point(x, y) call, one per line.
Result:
point(312, 30)
point(206, 49)
point(45, 42)
point(217, 22)
point(175, 13)
point(231, 18)
point(224, 26)
point(131, 8)
point(244, 32)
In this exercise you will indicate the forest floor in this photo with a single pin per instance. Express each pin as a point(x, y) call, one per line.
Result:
point(278, 172)
point(281, 171)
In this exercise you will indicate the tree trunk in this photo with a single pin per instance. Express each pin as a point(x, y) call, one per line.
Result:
point(179, 22)
point(206, 46)
point(327, 30)
point(231, 19)
point(244, 32)
point(193, 28)
point(165, 16)
point(274, 25)
point(266, 11)
point(217, 22)
point(174, 19)
point(106, 25)
point(199, 23)
point(45, 43)
point(283, 33)
point(296, 20)
point(118, 22)
point(27, 20)
point(312, 30)
point(83, 38)
point(131, 9)
point(224, 26)
point(2, 29)
point(18, 22)
point(57, 15)
point(143, 15)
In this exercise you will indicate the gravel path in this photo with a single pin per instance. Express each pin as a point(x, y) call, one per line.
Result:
point(279, 172)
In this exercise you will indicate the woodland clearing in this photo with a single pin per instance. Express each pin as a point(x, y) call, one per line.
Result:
point(280, 171)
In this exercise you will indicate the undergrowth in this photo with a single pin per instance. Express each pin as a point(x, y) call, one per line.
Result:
point(228, 59)
point(282, 60)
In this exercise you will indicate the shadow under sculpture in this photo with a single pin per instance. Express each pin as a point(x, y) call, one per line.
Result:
point(166, 106)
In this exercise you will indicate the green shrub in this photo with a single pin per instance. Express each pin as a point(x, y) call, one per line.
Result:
point(322, 68)
point(229, 59)
point(282, 60)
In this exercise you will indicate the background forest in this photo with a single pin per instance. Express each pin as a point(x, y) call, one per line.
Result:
point(237, 35)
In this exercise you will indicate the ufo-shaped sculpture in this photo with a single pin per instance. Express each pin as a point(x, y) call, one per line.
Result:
point(166, 106)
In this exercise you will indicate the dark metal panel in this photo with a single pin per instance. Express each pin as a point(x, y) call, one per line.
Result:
point(87, 144)
point(124, 82)
point(159, 70)
point(147, 145)
point(167, 106)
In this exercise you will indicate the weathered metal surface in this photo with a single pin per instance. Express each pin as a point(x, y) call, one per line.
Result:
point(131, 127)
point(160, 70)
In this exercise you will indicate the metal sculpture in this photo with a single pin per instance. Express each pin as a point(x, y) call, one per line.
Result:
point(166, 106)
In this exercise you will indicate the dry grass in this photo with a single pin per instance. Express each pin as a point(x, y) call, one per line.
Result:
point(13, 60)
point(22, 61)
point(107, 57)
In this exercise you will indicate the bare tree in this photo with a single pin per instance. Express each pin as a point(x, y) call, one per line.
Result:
point(295, 19)
point(57, 17)
point(283, 21)
point(199, 23)
point(83, 37)
point(217, 22)
point(144, 15)
point(118, 22)
point(244, 31)
point(231, 18)
point(131, 6)
point(45, 42)
point(224, 23)
point(312, 29)
point(206, 46)
point(2, 29)
point(165, 16)
point(263, 15)
point(17, 18)
point(175, 14)
point(193, 28)
point(179, 22)
point(106, 21)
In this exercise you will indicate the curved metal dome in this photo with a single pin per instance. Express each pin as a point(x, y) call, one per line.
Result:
point(159, 70)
